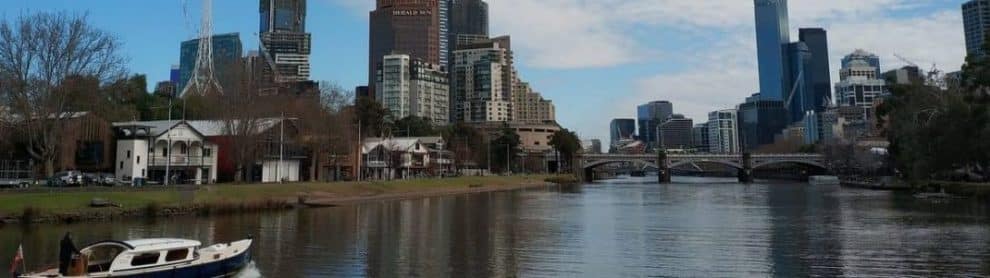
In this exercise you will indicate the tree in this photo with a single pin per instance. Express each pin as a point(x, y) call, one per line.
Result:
point(38, 54)
point(504, 149)
point(326, 127)
point(567, 144)
point(465, 142)
point(371, 116)
point(937, 132)
point(413, 126)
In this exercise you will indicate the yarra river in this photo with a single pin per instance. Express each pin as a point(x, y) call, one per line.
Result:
point(696, 227)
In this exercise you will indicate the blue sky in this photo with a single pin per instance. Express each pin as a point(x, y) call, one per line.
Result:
point(596, 59)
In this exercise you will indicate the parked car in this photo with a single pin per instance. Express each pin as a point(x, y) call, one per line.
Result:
point(16, 183)
point(66, 178)
point(107, 179)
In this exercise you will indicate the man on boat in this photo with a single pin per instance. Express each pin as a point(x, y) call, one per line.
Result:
point(67, 251)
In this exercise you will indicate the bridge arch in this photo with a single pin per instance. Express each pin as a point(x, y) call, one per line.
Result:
point(815, 164)
point(596, 163)
point(676, 164)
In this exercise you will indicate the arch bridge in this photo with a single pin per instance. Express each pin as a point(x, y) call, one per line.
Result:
point(745, 163)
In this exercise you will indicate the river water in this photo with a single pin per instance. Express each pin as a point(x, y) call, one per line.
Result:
point(696, 227)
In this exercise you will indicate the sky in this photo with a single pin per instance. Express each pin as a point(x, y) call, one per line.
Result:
point(596, 59)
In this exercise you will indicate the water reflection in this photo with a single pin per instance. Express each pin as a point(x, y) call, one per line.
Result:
point(630, 227)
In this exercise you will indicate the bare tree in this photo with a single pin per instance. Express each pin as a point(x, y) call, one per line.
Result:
point(37, 54)
point(325, 127)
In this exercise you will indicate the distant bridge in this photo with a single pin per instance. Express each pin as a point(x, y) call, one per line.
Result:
point(744, 163)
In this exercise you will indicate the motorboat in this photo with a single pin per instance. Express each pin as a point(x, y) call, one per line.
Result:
point(824, 180)
point(159, 257)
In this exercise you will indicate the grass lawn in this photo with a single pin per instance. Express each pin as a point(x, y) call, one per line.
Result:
point(14, 203)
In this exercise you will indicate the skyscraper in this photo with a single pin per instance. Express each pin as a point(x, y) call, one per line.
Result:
point(772, 37)
point(871, 59)
point(284, 41)
point(976, 22)
point(700, 137)
point(821, 76)
point(723, 132)
point(759, 121)
point(227, 51)
point(676, 132)
point(650, 116)
point(469, 17)
point(410, 27)
point(859, 83)
point(444, 13)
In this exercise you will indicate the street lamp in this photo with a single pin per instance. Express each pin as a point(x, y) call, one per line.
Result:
point(168, 148)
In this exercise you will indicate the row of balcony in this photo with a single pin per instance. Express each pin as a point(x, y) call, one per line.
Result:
point(181, 160)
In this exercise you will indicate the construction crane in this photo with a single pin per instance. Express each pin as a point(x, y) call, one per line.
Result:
point(906, 61)
point(933, 77)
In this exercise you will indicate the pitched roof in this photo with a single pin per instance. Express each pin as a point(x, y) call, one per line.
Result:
point(208, 128)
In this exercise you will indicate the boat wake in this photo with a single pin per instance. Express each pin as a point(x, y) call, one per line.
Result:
point(250, 271)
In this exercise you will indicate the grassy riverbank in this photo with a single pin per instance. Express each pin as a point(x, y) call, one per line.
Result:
point(58, 206)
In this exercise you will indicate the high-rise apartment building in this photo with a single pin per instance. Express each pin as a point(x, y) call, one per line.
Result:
point(480, 90)
point(976, 22)
point(818, 69)
point(650, 116)
point(621, 129)
point(529, 106)
point(409, 87)
point(675, 133)
point(285, 44)
point(859, 83)
point(410, 27)
point(227, 51)
point(772, 39)
point(723, 132)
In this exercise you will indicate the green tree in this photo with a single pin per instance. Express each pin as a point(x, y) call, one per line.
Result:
point(504, 149)
point(567, 144)
point(413, 126)
point(465, 142)
point(372, 116)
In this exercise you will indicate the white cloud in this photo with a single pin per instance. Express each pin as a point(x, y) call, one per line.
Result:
point(726, 73)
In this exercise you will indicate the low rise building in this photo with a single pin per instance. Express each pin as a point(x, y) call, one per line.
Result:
point(394, 158)
point(204, 151)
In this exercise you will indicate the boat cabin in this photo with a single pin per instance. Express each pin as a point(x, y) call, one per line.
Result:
point(115, 256)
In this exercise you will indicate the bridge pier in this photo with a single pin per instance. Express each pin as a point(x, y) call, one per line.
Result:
point(663, 168)
point(745, 174)
point(589, 175)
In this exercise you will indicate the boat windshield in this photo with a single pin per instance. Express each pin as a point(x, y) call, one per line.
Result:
point(100, 257)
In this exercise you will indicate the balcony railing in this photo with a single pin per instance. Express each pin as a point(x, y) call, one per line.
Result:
point(180, 160)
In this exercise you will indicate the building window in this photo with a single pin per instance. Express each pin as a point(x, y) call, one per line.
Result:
point(128, 153)
point(142, 172)
point(207, 152)
point(121, 165)
point(139, 159)
point(183, 149)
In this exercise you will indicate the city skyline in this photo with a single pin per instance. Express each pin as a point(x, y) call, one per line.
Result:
point(705, 61)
